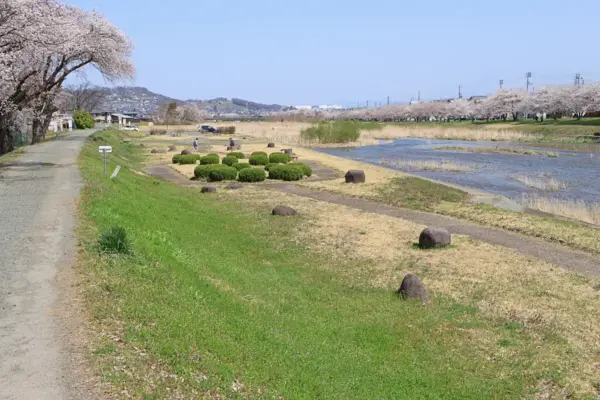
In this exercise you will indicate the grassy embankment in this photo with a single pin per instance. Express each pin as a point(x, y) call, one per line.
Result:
point(218, 299)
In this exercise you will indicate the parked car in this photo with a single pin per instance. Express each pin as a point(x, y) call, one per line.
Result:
point(131, 128)
point(208, 129)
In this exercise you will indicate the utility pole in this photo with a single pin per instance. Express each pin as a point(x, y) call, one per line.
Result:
point(577, 79)
point(528, 77)
point(459, 92)
point(388, 100)
point(501, 83)
point(419, 98)
point(367, 103)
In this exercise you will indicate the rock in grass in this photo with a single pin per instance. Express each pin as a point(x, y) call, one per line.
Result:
point(172, 148)
point(284, 211)
point(271, 145)
point(289, 152)
point(355, 176)
point(434, 237)
point(209, 189)
point(412, 289)
point(235, 186)
point(186, 152)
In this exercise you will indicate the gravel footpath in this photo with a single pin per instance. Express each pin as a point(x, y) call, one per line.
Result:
point(38, 195)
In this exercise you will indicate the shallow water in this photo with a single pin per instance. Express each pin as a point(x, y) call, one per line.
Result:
point(494, 172)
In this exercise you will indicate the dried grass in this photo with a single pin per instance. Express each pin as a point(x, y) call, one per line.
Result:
point(556, 308)
point(574, 209)
point(429, 165)
point(438, 132)
point(541, 182)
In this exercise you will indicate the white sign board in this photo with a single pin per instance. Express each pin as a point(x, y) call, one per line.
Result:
point(105, 149)
point(116, 172)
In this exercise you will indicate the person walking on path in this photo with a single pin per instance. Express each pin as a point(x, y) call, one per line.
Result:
point(196, 144)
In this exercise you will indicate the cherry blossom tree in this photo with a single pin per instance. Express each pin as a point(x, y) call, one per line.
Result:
point(42, 42)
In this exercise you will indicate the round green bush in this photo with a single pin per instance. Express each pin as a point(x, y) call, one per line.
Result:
point(83, 119)
point(261, 153)
point(187, 159)
point(307, 170)
point(237, 155)
point(286, 172)
point(241, 166)
point(269, 166)
point(279, 158)
point(201, 171)
point(229, 160)
point(252, 175)
point(259, 159)
point(219, 173)
point(209, 159)
point(176, 158)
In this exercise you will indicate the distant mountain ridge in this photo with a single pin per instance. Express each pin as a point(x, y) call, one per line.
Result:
point(141, 100)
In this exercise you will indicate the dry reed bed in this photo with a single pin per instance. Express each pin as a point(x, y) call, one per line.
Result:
point(541, 182)
point(429, 165)
point(575, 209)
point(544, 300)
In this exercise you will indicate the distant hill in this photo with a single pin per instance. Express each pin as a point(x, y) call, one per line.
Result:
point(141, 100)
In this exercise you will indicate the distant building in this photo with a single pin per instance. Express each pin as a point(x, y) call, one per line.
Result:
point(61, 123)
point(477, 98)
point(303, 107)
point(330, 107)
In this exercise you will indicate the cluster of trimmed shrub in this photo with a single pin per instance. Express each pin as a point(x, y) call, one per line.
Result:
point(155, 132)
point(259, 158)
point(226, 130)
point(289, 172)
point(241, 166)
point(279, 158)
point(237, 155)
point(209, 159)
point(220, 172)
point(185, 158)
point(252, 175)
point(216, 172)
point(229, 160)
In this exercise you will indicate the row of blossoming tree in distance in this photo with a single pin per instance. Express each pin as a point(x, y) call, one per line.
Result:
point(42, 42)
point(509, 104)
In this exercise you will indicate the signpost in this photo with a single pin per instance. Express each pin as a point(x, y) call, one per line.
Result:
point(105, 149)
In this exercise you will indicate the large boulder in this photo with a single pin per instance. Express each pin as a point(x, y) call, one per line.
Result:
point(209, 189)
point(434, 237)
point(355, 176)
point(412, 289)
point(271, 145)
point(235, 186)
point(158, 151)
point(186, 152)
point(284, 211)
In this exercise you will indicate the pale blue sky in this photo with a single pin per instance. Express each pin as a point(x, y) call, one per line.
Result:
point(343, 52)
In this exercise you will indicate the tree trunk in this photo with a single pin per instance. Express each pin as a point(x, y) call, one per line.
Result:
point(40, 127)
point(6, 136)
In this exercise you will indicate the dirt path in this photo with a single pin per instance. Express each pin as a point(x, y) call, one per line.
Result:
point(562, 256)
point(38, 195)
